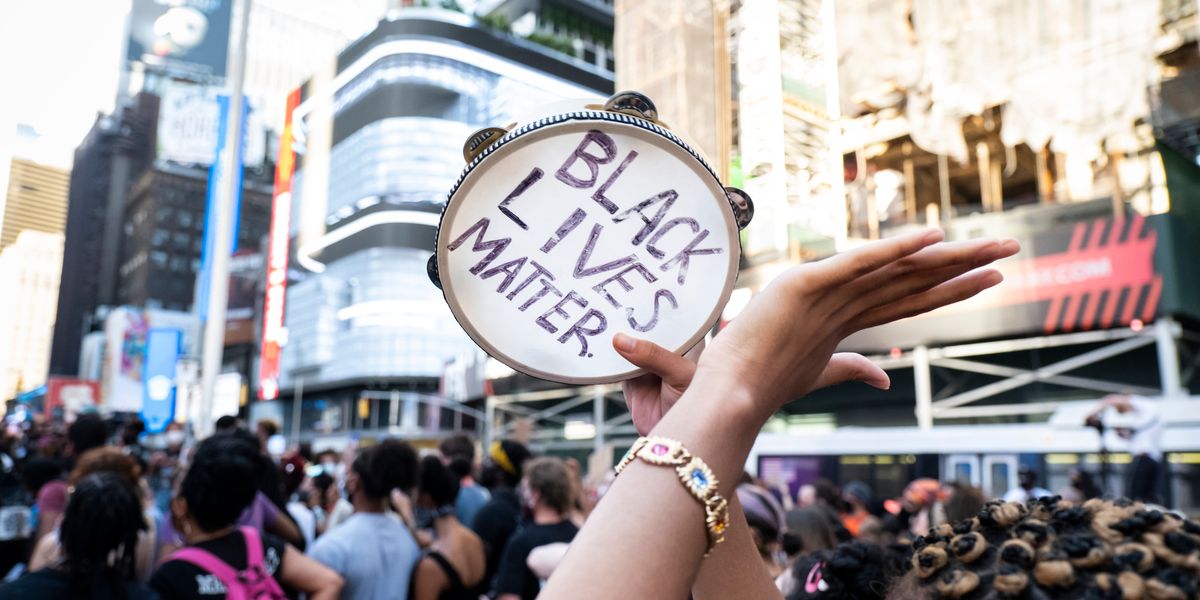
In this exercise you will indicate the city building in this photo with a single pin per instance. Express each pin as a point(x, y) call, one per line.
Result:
point(368, 337)
point(36, 200)
point(29, 268)
point(164, 233)
point(114, 152)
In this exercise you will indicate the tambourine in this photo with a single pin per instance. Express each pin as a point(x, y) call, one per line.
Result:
point(563, 231)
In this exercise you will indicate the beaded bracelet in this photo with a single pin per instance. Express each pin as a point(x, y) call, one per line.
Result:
point(695, 475)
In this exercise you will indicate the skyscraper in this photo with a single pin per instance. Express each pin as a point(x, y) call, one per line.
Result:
point(36, 200)
point(382, 132)
point(29, 268)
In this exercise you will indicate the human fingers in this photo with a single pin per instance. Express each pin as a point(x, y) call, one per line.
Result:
point(851, 265)
point(925, 274)
point(850, 366)
point(955, 290)
point(673, 369)
point(974, 253)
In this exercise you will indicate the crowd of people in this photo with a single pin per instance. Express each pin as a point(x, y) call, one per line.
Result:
point(111, 516)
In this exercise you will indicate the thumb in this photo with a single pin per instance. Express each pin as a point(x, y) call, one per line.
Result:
point(673, 369)
point(849, 366)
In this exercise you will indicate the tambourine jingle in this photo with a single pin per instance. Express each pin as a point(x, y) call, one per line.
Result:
point(578, 232)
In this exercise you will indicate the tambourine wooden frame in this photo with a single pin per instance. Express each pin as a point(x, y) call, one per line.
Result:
point(530, 132)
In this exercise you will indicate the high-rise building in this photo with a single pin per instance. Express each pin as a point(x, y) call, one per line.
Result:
point(381, 131)
point(115, 150)
point(29, 268)
point(36, 200)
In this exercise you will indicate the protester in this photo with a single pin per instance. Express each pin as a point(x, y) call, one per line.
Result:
point(647, 538)
point(497, 520)
point(1028, 488)
point(1081, 487)
point(1137, 420)
point(48, 550)
point(220, 484)
point(373, 550)
point(546, 490)
point(811, 529)
point(766, 519)
point(291, 470)
point(454, 565)
point(459, 452)
point(99, 532)
point(87, 432)
point(964, 501)
point(857, 518)
point(1053, 549)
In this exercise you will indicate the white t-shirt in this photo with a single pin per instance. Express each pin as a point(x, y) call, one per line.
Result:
point(305, 520)
point(1145, 421)
point(1019, 494)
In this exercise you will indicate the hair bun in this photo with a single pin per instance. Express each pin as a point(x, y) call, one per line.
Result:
point(1054, 573)
point(929, 560)
point(957, 583)
point(1010, 579)
point(968, 547)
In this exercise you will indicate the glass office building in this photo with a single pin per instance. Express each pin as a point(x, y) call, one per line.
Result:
point(379, 142)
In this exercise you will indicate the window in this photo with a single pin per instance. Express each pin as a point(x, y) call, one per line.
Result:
point(179, 264)
point(158, 258)
point(159, 237)
point(164, 214)
point(184, 218)
point(181, 239)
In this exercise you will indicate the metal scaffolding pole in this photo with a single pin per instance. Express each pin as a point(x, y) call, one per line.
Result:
point(924, 387)
point(1165, 331)
point(598, 418)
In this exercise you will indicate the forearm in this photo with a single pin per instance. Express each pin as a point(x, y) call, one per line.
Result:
point(714, 422)
point(735, 569)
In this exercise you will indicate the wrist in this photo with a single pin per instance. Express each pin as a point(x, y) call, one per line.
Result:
point(727, 403)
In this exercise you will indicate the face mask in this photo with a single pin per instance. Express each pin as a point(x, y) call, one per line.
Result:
point(175, 437)
point(329, 467)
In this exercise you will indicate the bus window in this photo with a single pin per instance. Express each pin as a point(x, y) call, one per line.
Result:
point(963, 468)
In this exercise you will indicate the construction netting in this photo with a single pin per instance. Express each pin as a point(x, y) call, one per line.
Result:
point(1073, 74)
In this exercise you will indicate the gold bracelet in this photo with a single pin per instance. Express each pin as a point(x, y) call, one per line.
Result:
point(695, 475)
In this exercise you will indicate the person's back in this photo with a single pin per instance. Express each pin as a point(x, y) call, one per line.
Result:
point(99, 532)
point(372, 550)
point(453, 567)
point(549, 495)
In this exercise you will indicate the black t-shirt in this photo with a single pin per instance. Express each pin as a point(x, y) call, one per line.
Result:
point(514, 576)
point(52, 584)
point(494, 524)
point(184, 580)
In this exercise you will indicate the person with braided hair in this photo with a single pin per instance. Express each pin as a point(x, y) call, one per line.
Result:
point(1049, 548)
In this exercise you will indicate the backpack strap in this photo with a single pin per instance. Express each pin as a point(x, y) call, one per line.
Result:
point(217, 567)
point(255, 564)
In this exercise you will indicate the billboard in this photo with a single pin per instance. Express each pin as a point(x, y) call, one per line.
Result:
point(158, 377)
point(1088, 275)
point(189, 121)
point(66, 397)
point(188, 38)
point(245, 271)
point(126, 331)
point(273, 336)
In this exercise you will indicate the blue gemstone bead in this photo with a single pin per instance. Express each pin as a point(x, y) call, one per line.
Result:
point(699, 479)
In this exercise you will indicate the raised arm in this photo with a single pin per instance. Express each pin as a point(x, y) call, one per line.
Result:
point(646, 539)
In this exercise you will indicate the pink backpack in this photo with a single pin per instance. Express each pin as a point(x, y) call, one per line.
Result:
point(254, 583)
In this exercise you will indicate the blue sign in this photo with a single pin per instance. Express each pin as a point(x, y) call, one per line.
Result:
point(158, 378)
point(216, 179)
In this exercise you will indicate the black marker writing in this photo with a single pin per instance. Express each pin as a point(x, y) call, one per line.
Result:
point(592, 161)
point(653, 319)
point(495, 246)
point(581, 330)
point(599, 196)
point(581, 268)
point(529, 180)
point(538, 270)
point(573, 221)
point(667, 198)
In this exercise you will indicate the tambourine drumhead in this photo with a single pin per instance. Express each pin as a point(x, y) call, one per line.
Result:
point(576, 227)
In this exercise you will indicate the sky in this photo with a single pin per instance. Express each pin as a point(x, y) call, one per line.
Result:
point(59, 64)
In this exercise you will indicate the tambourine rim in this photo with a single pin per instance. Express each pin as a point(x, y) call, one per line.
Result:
point(443, 256)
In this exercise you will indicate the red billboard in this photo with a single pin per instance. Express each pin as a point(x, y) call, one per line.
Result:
point(273, 336)
point(67, 397)
point(1094, 274)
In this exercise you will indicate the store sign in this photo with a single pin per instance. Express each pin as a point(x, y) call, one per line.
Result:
point(1090, 275)
point(158, 384)
point(69, 396)
point(274, 334)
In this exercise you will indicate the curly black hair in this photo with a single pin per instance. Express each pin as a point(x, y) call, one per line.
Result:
point(221, 481)
point(438, 482)
point(99, 535)
point(851, 571)
point(386, 466)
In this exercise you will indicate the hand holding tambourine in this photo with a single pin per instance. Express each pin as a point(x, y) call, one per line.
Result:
point(569, 229)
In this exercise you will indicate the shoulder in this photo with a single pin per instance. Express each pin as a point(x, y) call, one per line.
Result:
point(30, 585)
point(53, 495)
point(170, 577)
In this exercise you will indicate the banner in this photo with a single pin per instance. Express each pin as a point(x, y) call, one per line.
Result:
point(273, 336)
point(158, 390)
point(189, 119)
point(188, 38)
point(66, 397)
point(1095, 274)
point(216, 181)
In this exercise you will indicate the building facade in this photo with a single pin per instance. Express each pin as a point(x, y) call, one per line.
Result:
point(36, 200)
point(382, 133)
point(29, 268)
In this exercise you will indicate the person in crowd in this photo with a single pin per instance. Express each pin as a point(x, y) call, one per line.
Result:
point(227, 423)
point(454, 565)
point(963, 501)
point(1138, 421)
point(546, 490)
point(584, 502)
point(1028, 489)
point(827, 498)
point(647, 539)
point(459, 452)
point(87, 432)
point(131, 442)
point(220, 484)
point(1053, 549)
point(810, 530)
point(106, 459)
point(322, 498)
point(374, 551)
point(851, 571)
point(266, 429)
point(1080, 487)
point(498, 519)
point(99, 532)
point(857, 518)
point(921, 508)
point(767, 523)
point(292, 471)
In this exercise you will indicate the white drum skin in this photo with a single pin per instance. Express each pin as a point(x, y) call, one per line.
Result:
point(575, 227)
